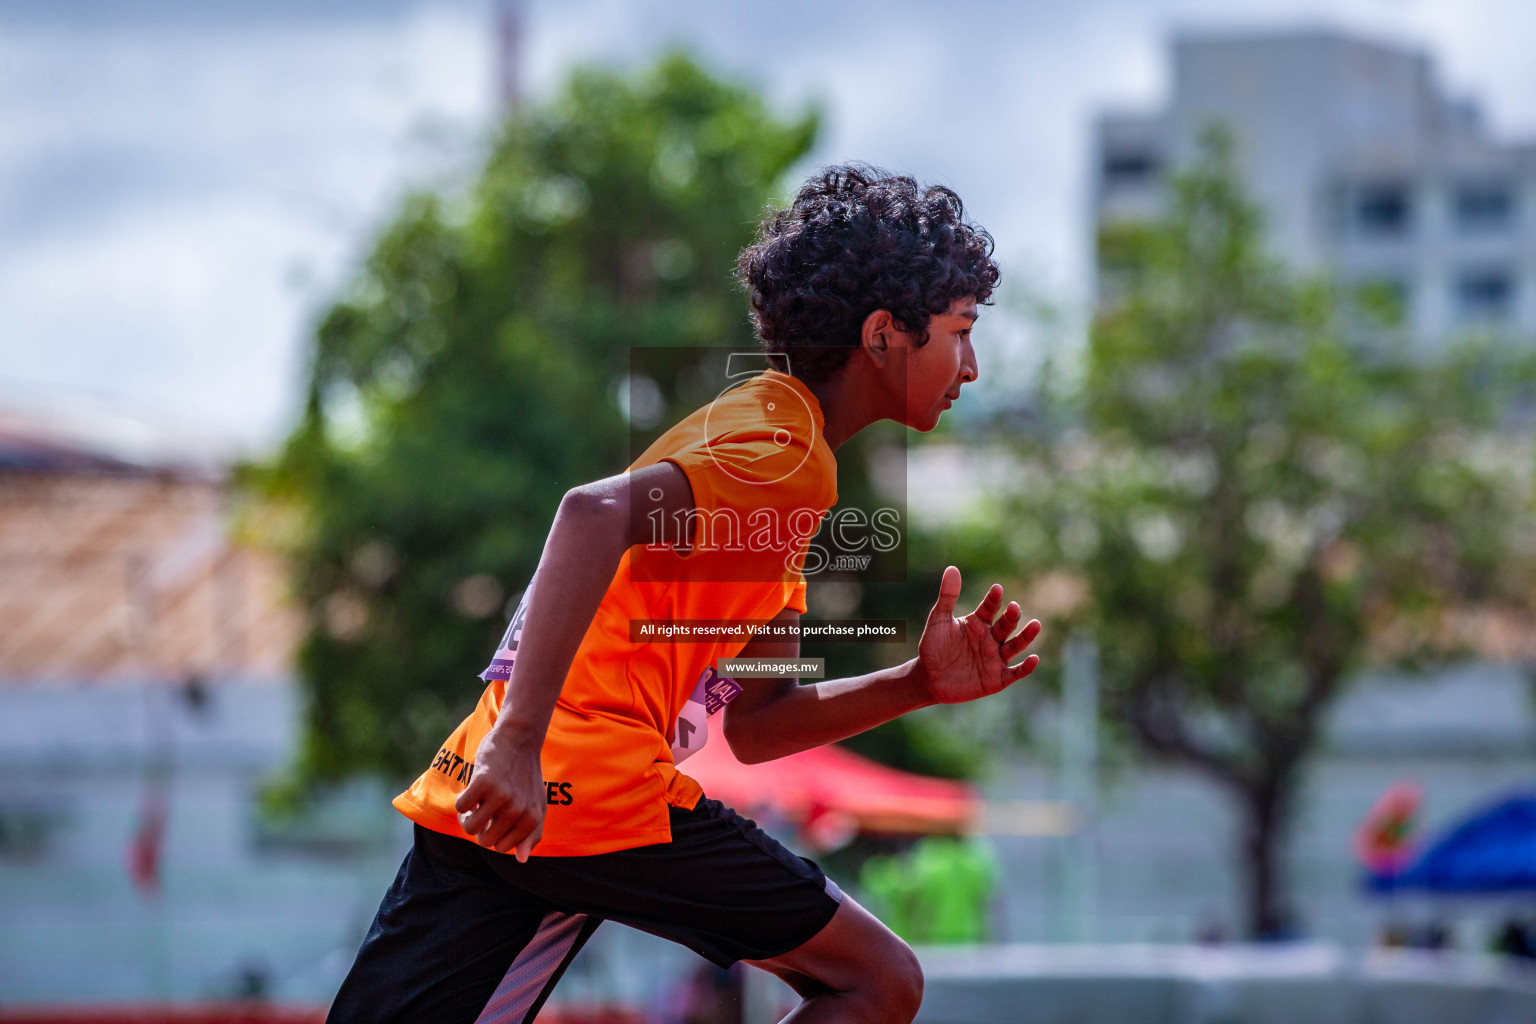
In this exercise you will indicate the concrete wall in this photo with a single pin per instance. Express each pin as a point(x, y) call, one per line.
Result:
point(1316, 984)
point(75, 759)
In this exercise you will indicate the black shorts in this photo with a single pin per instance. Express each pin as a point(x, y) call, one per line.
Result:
point(466, 934)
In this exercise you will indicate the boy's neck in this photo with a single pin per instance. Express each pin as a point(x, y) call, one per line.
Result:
point(844, 407)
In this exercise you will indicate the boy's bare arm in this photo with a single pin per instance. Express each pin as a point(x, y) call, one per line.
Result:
point(503, 805)
point(959, 659)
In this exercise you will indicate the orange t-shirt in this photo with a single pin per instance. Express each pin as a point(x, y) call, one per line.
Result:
point(762, 478)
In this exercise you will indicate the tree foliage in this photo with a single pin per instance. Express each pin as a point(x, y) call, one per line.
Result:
point(1255, 502)
point(469, 376)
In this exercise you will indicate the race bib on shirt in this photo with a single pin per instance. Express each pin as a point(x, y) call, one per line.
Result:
point(691, 731)
point(500, 667)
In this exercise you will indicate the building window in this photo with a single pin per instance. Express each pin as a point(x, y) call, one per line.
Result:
point(27, 828)
point(1130, 167)
point(1383, 209)
point(1485, 295)
point(1484, 207)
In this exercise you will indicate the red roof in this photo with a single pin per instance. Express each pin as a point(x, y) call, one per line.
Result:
point(828, 789)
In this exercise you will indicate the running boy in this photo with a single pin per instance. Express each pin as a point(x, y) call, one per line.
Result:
point(558, 803)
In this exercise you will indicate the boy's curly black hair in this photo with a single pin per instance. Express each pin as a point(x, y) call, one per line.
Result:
point(856, 240)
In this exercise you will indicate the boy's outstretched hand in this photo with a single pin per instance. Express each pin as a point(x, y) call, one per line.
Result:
point(966, 658)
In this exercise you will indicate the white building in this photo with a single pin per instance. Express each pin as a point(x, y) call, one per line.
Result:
point(1365, 167)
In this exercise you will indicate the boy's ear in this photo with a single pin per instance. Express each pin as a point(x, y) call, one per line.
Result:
point(875, 337)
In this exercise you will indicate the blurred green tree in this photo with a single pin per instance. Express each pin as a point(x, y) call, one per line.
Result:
point(1253, 503)
point(474, 372)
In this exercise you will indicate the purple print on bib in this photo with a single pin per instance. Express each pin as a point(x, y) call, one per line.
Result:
point(500, 668)
point(719, 691)
point(691, 731)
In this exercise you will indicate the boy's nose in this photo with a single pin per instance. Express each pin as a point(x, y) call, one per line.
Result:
point(969, 371)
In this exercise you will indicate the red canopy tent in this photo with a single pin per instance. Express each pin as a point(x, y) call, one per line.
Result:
point(829, 793)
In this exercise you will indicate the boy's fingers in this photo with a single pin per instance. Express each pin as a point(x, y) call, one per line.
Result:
point(494, 835)
point(1025, 637)
point(1023, 668)
point(476, 820)
point(507, 831)
point(949, 593)
point(471, 795)
point(1007, 623)
point(986, 611)
point(525, 847)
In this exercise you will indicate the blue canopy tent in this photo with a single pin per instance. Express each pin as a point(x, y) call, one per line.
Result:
point(1492, 852)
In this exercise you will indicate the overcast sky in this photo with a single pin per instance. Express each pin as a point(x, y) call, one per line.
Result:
point(183, 183)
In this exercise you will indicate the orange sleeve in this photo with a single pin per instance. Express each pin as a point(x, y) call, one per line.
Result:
point(697, 466)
